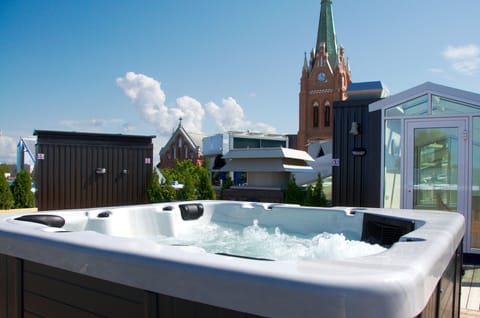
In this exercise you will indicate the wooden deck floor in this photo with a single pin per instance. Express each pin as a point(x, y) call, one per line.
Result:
point(470, 293)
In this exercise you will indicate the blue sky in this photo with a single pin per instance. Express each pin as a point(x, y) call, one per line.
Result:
point(135, 67)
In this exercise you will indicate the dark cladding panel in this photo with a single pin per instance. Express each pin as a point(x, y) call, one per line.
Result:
point(80, 170)
point(356, 181)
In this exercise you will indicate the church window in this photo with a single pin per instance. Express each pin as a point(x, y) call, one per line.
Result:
point(180, 142)
point(174, 152)
point(186, 152)
point(315, 115)
point(327, 115)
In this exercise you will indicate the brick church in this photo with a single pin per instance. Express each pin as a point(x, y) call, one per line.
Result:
point(325, 77)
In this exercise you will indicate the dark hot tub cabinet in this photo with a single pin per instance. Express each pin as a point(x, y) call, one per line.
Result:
point(104, 262)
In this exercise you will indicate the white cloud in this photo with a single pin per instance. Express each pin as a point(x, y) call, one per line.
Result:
point(465, 59)
point(232, 117)
point(149, 99)
point(8, 149)
point(147, 95)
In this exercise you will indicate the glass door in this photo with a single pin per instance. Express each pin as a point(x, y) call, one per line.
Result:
point(436, 165)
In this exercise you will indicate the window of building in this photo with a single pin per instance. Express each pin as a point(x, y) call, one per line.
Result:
point(326, 117)
point(270, 143)
point(239, 143)
point(475, 217)
point(414, 107)
point(392, 161)
point(315, 114)
point(442, 106)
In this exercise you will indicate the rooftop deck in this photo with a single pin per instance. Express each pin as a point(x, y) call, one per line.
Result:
point(470, 293)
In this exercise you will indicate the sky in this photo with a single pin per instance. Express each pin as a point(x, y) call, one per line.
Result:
point(136, 67)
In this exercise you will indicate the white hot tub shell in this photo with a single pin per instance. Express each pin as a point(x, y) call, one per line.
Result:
point(114, 244)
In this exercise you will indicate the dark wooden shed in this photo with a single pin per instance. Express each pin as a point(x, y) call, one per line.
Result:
point(80, 170)
point(356, 153)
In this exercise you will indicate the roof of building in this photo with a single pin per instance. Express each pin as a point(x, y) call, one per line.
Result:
point(267, 160)
point(262, 153)
point(367, 90)
point(90, 136)
point(426, 88)
point(193, 139)
point(326, 32)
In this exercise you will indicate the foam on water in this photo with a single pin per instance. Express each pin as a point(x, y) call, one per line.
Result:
point(259, 242)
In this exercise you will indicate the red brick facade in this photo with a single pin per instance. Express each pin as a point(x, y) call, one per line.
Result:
point(324, 80)
point(181, 146)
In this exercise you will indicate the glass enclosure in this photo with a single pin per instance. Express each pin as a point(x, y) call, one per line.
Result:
point(475, 217)
point(438, 137)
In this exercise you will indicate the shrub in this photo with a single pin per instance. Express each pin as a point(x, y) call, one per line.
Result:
point(205, 188)
point(294, 194)
point(159, 192)
point(22, 190)
point(196, 181)
point(226, 185)
point(6, 197)
point(315, 195)
point(187, 193)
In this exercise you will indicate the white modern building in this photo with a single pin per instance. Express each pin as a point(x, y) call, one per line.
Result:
point(268, 167)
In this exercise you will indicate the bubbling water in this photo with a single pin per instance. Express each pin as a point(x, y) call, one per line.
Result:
point(260, 242)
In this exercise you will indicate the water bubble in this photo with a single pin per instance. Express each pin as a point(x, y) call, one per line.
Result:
point(262, 242)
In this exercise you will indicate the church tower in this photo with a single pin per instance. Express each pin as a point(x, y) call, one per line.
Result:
point(325, 77)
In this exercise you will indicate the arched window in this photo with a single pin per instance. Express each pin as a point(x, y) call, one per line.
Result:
point(315, 114)
point(326, 118)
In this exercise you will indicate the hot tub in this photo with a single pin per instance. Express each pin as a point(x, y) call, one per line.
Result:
point(133, 261)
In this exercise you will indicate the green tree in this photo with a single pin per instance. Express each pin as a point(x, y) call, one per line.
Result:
point(198, 179)
point(315, 195)
point(187, 193)
point(293, 193)
point(22, 190)
point(153, 188)
point(206, 163)
point(6, 197)
point(226, 185)
point(205, 188)
point(5, 168)
point(160, 192)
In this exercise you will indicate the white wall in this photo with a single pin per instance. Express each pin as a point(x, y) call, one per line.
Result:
point(268, 179)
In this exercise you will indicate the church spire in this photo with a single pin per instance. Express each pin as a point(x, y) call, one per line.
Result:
point(326, 32)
